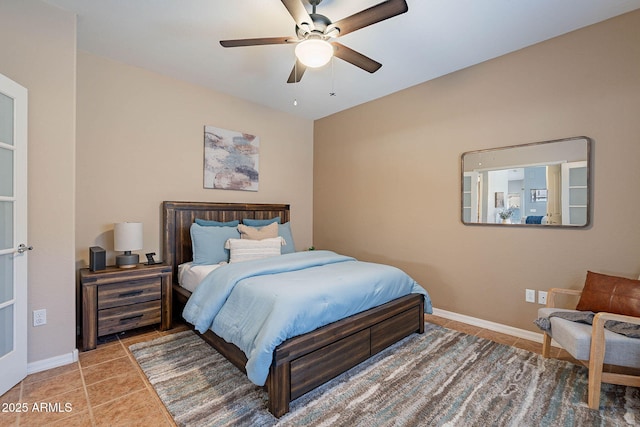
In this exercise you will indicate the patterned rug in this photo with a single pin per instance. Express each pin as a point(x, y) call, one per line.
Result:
point(441, 378)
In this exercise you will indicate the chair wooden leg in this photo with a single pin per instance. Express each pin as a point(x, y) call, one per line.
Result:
point(595, 383)
point(546, 345)
point(596, 361)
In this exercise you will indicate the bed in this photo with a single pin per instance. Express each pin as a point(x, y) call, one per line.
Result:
point(303, 362)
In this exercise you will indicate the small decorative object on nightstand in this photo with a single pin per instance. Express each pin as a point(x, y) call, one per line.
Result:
point(97, 258)
point(150, 260)
point(116, 300)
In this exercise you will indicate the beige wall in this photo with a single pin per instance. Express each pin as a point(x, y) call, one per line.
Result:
point(140, 141)
point(398, 154)
point(38, 51)
point(387, 173)
point(158, 121)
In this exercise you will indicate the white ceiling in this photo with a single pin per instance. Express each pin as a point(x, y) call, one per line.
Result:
point(179, 38)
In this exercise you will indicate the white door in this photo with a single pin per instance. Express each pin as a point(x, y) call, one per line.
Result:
point(13, 233)
point(575, 193)
point(470, 197)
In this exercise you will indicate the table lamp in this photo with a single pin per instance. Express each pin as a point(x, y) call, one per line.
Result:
point(127, 237)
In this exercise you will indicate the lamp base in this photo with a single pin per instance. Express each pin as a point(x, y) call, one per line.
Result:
point(127, 260)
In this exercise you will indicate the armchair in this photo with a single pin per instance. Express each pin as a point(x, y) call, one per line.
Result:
point(593, 345)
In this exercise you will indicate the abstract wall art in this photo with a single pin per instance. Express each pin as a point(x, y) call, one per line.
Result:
point(230, 159)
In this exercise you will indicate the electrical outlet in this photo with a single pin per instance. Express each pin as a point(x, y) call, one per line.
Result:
point(39, 317)
point(542, 297)
point(530, 295)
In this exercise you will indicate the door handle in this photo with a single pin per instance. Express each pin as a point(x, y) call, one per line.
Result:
point(22, 248)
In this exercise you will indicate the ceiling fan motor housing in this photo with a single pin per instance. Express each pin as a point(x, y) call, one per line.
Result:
point(320, 22)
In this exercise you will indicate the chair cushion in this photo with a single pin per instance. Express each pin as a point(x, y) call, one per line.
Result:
point(610, 294)
point(576, 339)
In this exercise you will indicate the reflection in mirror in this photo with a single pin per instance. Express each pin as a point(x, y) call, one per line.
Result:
point(543, 183)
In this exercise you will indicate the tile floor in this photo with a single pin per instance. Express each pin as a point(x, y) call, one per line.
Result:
point(107, 388)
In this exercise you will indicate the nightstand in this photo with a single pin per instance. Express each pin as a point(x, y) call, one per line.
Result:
point(116, 300)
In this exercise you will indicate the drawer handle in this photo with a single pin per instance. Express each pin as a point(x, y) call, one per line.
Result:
point(130, 294)
point(125, 319)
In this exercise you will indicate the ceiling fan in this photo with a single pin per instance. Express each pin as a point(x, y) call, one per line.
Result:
point(314, 34)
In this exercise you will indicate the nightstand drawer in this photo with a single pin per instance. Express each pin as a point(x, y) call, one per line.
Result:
point(134, 292)
point(122, 318)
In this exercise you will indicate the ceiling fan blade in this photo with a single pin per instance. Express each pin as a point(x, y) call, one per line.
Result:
point(298, 71)
point(255, 42)
point(372, 15)
point(299, 13)
point(355, 58)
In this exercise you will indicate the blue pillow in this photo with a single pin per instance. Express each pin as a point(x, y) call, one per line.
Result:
point(209, 223)
point(534, 219)
point(260, 222)
point(284, 231)
point(208, 242)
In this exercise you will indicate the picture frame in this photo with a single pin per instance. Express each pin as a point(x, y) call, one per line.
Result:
point(231, 159)
point(538, 195)
point(513, 200)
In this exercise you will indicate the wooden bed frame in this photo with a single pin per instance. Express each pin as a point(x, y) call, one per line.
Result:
point(302, 363)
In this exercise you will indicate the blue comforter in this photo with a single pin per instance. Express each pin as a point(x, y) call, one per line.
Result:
point(259, 304)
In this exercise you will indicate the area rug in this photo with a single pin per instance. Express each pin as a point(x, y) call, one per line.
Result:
point(440, 378)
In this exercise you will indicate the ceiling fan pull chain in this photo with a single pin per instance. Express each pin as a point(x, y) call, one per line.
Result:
point(295, 79)
point(333, 78)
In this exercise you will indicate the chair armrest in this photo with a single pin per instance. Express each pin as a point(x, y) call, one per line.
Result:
point(600, 318)
point(597, 333)
point(551, 295)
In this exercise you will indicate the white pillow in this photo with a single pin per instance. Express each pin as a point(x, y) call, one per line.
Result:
point(247, 250)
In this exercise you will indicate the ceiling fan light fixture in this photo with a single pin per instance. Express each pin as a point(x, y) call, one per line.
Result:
point(314, 53)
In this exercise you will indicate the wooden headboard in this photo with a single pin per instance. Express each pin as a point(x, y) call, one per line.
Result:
point(177, 218)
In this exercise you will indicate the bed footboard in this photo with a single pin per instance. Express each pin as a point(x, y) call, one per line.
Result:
point(302, 363)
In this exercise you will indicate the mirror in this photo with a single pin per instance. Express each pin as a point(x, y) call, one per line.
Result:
point(539, 184)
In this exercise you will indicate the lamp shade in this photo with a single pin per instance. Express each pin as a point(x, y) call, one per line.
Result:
point(314, 52)
point(127, 236)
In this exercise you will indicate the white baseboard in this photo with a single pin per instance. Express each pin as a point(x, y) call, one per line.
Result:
point(65, 359)
point(53, 362)
point(497, 327)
